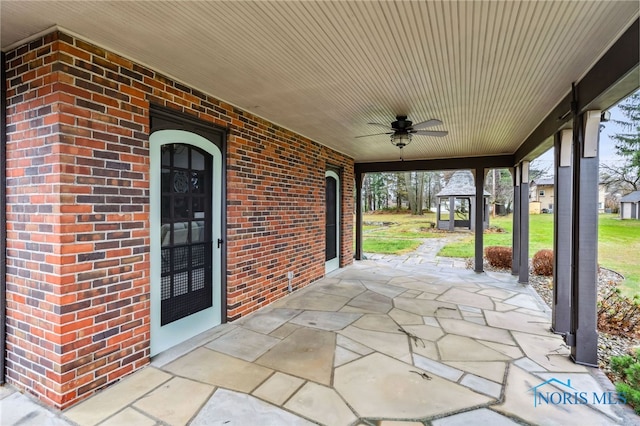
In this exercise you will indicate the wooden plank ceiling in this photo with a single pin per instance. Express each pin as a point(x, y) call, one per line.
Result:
point(491, 71)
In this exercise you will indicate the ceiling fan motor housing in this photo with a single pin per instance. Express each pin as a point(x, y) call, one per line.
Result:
point(401, 123)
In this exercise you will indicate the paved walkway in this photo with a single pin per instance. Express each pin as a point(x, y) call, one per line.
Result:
point(425, 254)
point(383, 342)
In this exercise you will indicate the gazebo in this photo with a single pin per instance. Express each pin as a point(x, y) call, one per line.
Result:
point(455, 203)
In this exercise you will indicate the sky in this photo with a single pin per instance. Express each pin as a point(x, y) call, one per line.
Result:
point(607, 152)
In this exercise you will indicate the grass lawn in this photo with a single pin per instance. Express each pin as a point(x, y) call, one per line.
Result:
point(618, 240)
point(403, 236)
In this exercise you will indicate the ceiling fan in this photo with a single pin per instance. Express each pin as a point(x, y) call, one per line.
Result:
point(402, 129)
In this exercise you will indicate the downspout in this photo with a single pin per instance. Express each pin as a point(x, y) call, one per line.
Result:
point(3, 216)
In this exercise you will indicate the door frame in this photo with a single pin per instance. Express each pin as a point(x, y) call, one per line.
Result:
point(169, 335)
point(333, 264)
point(162, 118)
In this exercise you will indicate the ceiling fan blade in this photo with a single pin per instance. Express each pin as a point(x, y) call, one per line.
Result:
point(375, 134)
point(386, 126)
point(438, 133)
point(425, 124)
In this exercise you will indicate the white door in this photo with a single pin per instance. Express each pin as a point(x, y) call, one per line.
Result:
point(332, 240)
point(185, 220)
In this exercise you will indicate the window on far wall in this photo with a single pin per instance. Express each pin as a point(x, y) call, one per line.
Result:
point(541, 193)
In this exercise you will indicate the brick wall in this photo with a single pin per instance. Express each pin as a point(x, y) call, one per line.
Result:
point(78, 212)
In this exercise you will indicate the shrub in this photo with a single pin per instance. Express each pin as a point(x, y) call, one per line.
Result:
point(618, 314)
point(627, 368)
point(498, 257)
point(543, 263)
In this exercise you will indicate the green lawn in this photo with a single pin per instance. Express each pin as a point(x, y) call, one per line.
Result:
point(618, 240)
point(389, 245)
point(402, 237)
point(540, 236)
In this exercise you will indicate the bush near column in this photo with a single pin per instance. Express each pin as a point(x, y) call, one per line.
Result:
point(498, 256)
point(542, 263)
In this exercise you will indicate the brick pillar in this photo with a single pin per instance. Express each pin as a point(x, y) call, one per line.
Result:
point(77, 222)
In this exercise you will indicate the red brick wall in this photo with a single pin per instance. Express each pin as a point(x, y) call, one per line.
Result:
point(78, 212)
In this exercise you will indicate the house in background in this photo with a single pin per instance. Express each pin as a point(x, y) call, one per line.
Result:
point(541, 196)
point(630, 206)
point(602, 197)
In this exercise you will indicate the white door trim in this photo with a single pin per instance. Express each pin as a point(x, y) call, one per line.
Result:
point(164, 337)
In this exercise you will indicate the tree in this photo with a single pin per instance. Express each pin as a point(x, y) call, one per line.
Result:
point(375, 191)
point(626, 176)
point(501, 188)
point(628, 142)
point(415, 191)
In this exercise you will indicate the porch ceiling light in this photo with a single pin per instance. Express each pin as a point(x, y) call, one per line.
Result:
point(401, 139)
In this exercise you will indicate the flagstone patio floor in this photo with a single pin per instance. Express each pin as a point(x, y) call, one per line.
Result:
point(381, 342)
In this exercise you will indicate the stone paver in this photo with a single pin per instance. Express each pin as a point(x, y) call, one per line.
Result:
point(315, 301)
point(422, 307)
point(392, 344)
point(228, 408)
point(475, 331)
point(481, 417)
point(385, 289)
point(523, 301)
point(382, 387)
point(129, 416)
point(321, 404)
point(16, 409)
point(269, 320)
point(341, 287)
point(208, 366)
point(459, 348)
point(402, 340)
point(329, 321)
point(244, 344)
point(511, 351)
point(175, 402)
point(482, 385)
point(404, 317)
point(437, 368)
point(342, 356)
point(518, 321)
point(467, 299)
point(353, 346)
point(547, 351)
point(306, 353)
point(118, 396)
point(377, 322)
point(278, 388)
point(489, 370)
point(371, 302)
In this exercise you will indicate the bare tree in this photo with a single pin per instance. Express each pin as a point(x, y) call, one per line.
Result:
point(625, 176)
point(415, 190)
point(618, 178)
